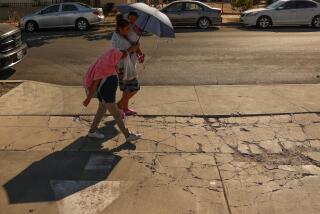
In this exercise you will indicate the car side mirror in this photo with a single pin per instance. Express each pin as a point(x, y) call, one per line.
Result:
point(280, 8)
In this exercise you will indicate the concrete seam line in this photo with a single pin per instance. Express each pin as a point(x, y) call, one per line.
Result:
point(219, 172)
point(165, 86)
point(195, 90)
point(166, 115)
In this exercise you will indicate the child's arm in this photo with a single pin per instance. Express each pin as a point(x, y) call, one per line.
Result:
point(92, 89)
point(139, 51)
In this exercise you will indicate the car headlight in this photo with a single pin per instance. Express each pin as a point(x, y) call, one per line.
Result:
point(252, 13)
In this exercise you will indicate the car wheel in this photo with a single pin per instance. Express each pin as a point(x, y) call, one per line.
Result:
point(316, 22)
point(264, 22)
point(82, 24)
point(31, 26)
point(204, 23)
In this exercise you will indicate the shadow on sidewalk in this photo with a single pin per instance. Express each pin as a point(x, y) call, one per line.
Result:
point(65, 172)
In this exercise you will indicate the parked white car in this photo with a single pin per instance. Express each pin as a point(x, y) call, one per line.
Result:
point(78, 15)
point(284, 12)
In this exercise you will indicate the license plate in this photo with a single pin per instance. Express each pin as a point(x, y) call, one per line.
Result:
point(20, 55)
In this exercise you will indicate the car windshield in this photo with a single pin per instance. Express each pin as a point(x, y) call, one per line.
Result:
point(274, 5)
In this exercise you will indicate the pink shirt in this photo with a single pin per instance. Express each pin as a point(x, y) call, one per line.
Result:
point(105, 66)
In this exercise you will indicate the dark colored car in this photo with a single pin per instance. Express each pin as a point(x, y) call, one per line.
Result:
point(12, 49)
point(186, 13)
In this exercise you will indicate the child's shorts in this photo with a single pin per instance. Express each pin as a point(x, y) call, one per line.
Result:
point(131, 85)
point(108, 89)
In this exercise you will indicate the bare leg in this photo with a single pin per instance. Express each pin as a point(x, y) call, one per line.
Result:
point(127, 96)
point(124, 102)
point(98, 117)
point(114, 111)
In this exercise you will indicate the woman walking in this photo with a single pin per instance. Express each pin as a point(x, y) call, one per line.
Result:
point(128, 87)
point(101, 78)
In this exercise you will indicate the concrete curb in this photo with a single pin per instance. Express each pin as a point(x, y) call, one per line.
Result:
point(12, 81)
point(45, 99)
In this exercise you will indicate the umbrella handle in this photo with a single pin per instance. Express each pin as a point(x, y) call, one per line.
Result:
point(145, 24)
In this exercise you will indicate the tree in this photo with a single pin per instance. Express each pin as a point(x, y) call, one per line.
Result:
point(243, 5)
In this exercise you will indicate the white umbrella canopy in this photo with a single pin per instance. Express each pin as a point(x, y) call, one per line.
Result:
point(150, 19)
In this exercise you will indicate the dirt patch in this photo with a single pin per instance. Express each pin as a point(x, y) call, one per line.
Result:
point(6, 87)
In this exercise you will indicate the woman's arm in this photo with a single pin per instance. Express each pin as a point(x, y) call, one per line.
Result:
point(92, 89)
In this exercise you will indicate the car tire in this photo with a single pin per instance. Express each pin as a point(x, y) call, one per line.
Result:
point(316, 22)
point(204, 23)
point(264, 22)
point(82, 24)
point(31, 26)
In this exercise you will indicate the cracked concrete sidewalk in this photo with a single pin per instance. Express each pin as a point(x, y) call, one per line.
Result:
point(34, 98)
point(257, 164)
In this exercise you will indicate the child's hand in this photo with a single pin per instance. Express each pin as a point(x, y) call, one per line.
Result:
point(86, 101)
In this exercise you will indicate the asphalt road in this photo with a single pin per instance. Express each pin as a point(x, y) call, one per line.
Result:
point(225, 55)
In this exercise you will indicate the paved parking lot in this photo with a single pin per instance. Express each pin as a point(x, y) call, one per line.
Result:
point(224, 55)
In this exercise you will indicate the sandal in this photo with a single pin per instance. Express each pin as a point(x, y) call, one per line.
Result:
point(131, 112)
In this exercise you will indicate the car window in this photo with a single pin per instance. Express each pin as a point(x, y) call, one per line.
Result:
point(289, 5)
point(69, 7)
point(51, 9)
point(175, 7)
point(193, 7)
point(85, 5)
point(305, 4)
point(276, 5)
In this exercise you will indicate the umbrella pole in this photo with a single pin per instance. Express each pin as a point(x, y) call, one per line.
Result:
point(145, 24)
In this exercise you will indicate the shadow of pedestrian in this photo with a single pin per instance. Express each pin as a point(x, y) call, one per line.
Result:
point(68, 171)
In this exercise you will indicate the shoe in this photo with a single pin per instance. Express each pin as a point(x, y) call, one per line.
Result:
point(131, 112)
point(95, 135)
point(133, 137)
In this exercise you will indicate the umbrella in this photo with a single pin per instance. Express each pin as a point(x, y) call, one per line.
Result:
point(150, 19)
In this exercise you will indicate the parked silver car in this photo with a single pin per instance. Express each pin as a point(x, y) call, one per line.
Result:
point(77, 15)
point(186, 13)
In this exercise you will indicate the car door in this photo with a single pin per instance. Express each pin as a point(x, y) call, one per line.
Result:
point(285, 14)
point(192, 12)
point(49, 17)
point(174, 12)
point(305, 11)
point(69, 14)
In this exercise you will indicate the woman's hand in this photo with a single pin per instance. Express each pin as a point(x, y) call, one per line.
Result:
point(86, 101)
point(134, 48)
